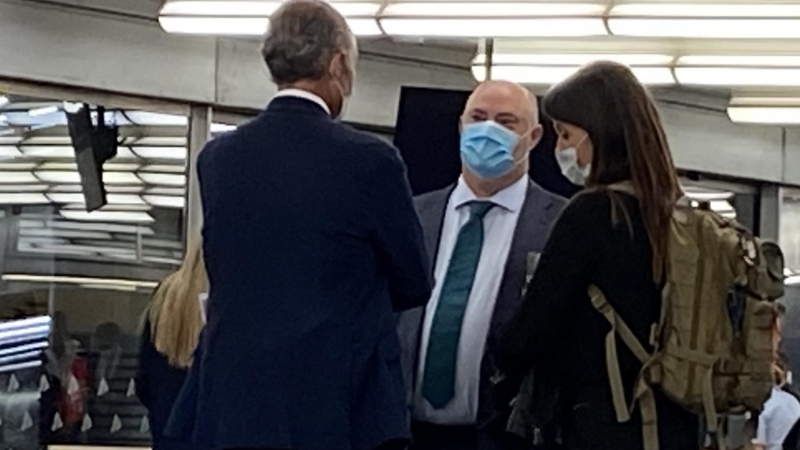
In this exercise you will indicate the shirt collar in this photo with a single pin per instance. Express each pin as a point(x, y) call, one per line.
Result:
point(510, 198)
point(299, 93)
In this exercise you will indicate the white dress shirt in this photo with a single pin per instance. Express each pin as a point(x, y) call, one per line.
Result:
point(299, 93)
point(780, 414)
point(499, 225)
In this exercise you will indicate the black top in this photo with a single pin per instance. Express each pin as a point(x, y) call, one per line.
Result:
point(558, 328)
point(157, 386)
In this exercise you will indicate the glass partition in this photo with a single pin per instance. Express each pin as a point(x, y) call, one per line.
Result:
point(89, 274)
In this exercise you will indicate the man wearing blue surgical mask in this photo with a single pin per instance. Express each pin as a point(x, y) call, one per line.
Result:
point(484, 235)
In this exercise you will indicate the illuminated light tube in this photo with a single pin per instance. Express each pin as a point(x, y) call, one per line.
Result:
point(23, 199)
point(165, 201)
point(792, 280)
point(24, 348)
point(706, 20)
point(738, 76)
point(43, 111)
point(79, 280)
point(493, 27)
point(767, 115)
point(163, 179)
point(575, 59)
point(24, 334)
point(20, 366)
point(108, 216)
point(17, 177)
point(549, 75)
point(251, 18)
point(740, 60)
point(48, 151)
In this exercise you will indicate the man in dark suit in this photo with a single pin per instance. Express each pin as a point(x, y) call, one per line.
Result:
point(484, 236)
point(311, 243)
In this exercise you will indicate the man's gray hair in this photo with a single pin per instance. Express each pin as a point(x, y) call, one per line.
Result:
point(303, 37)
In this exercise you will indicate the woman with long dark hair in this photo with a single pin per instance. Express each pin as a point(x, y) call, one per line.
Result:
point(609, 134)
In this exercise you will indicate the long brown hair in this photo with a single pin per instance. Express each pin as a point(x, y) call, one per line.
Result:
point(608, 102)
point(175, 314)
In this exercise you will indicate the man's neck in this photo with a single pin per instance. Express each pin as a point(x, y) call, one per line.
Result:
point(313, 87)
point(483, 188)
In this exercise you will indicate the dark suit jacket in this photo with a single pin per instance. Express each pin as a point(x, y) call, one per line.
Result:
point(538, 213)
point(311, 242)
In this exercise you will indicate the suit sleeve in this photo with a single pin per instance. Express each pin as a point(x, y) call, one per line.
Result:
point(539, 331)
point(398, 234)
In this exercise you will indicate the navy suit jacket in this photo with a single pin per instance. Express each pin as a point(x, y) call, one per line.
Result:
point(311, 243)
point(537, 216)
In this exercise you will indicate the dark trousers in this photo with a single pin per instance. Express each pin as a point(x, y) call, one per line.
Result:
point(440, 437)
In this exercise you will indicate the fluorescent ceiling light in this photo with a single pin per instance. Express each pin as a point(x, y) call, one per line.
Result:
point(577, 59)
point(258, 8)
point(121, 167)
point(159, 141)
point(124, 189)
point(44, 151)
point(707, 28)
point(222, 127)
point(765, 101)
point(548, 75)
point(166, 168)
point(54, 176)
point(165, 201)
point(65, 234)
point(113, 199)
point(16, 166)
point(769, 115)
point(3, 118)
point(59, 166)
point(246, 26)
point(476, 28)
point(729, 76)
point(3, 101)
point(17, 177)
point(48, 140)
point(108, 216)
point(175, 192)
point(23, 187)
point(78, 280)
point(706, 10)
point(105, 227)
point(792, 281)
point(43, 111)
point(7, 151)
point(176, 153)
point(491, 9)
point(124, 153)
point(721, 206)
point(22, 199)
point(120, 178)
point(163, 179)
point(737, 60)
point(708, 196)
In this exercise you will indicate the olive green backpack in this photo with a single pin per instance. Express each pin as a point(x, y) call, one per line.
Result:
point(715, 342)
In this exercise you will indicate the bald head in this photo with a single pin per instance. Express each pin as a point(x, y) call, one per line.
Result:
point(512, 107)
point(504, 102)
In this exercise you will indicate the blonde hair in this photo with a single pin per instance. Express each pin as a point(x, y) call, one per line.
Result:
point(175, 312)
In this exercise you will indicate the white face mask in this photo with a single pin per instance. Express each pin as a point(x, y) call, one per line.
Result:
point(568, 161)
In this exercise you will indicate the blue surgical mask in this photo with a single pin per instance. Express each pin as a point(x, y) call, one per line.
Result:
point(487, 149)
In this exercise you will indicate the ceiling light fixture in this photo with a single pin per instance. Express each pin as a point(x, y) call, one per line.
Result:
point(108, 216)
point(548, 75)
point(706, 20)
point(251, 18)
point(4, 101)
point(23, 199)
point(43, 111)
point(765, 110)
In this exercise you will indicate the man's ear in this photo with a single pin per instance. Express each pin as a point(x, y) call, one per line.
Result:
point(536, 135)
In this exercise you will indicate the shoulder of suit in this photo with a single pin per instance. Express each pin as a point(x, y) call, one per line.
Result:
point(435, 198)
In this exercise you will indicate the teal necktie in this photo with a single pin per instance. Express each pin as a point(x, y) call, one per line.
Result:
point(438, 383)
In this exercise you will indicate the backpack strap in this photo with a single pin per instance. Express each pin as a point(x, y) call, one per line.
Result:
point(643, 394)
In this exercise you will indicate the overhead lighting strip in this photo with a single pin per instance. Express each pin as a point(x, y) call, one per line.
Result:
point(458, 19)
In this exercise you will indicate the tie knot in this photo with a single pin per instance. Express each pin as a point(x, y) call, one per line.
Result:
point(480, 209)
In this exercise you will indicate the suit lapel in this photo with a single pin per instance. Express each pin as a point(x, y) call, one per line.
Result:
point(530, 236)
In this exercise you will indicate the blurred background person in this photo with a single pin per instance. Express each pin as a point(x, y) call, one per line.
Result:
point(609, 131)
point(781, 413)
point(486, 229)
point(172, 326)
point(311, 242)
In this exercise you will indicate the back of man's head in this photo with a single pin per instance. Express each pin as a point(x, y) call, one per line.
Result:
point(303, 38)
